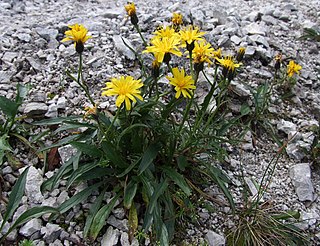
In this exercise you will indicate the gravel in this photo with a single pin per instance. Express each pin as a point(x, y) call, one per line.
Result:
point(32, 52)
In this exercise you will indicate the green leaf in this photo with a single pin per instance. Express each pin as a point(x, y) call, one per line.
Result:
point(55, 121)
point(158, 191)
point(215, 177)
point(129, 168)
point(52, 182)
point(113, 155)
point(148, 156)
point(169, 214)
point(1, 156)
point(182, 162)
point(164, 237)
point(31, 213)
point(178, 179)
point(97, 172)
point(15, 196)
point(129, 129)
point(80, 171)
point(101, 217)
point(93, 212)
point(22, 92)
point(4, 144)
point(67, 125)
point(287, 215)
point(132, 221)
point(245, 109)
point(63, 141)
point(8, 107)
point(77, 198)
point(88, 149)
point(129, 194)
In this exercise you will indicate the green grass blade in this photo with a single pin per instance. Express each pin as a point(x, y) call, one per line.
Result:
point(15, 196)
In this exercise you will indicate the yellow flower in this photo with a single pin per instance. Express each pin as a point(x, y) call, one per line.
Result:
point(183, 83)
point(240, 54)
point(177, 19)
point(228, 63)
point(78, 34)
point(190, 34)
point(229, 66)
point(217, 53)
point(162, 46)
point(202, 52)
point(130, 8)
point(126, 88)
point(293, 68)
point(167, 32)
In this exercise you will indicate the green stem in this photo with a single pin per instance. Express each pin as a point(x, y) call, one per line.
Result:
point(142, 38)
point(191, 65)
point(80, 81)
point(113, 121)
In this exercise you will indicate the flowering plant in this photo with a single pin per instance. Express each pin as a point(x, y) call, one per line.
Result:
point(155, 153)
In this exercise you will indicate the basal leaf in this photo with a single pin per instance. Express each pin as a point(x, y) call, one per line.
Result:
point(88, 149)
point(80, 171)
point(129, 194)
point(132, 221)
point(77, 198)
point(8, 107)
point(15, 196)
point(113, 154)
point(93, 212)
point(4, 144)
point(101, 217)
point(178, 179)
point(148, 156)
point(31, 213)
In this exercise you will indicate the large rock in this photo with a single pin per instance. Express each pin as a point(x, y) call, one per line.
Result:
point(111, 237)
point(215, 239)
point(33, 183)
point(30, 227)
point(122, 48)
point(300, 175)
point(35, 109)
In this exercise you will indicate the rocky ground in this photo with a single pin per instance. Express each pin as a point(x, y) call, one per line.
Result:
point(32, 52)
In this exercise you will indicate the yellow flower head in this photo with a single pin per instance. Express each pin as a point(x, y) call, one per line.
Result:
point(190, 34)
point(177, 19)
point(293, 68)
point(162, 46)
point(202, 52)
point(240, 54)
point(167, 32)
point(217, 53)
point(130, 8)
point(183, 83)
point(78, 34)
point(126, 88)
point(228, 63)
